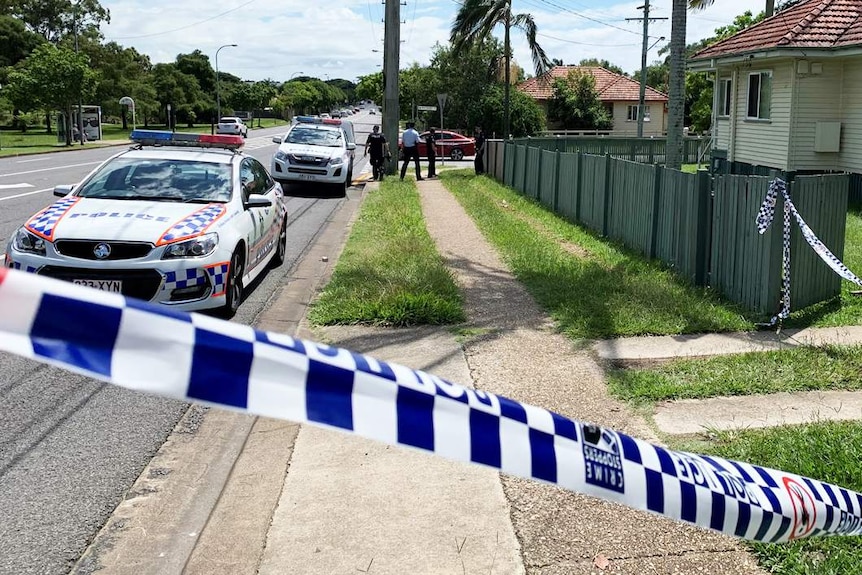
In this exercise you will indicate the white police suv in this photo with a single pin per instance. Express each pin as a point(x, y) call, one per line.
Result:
point(315, 150)
point(181, 220)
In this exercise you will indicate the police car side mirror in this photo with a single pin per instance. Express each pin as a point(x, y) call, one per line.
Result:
point(257, 202)
point(276, 139)
point(351, 146)
point(63, 191)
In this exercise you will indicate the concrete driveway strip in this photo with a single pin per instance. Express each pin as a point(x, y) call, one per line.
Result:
point(519, 355)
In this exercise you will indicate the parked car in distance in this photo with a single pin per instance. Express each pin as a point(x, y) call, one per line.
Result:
point(232, 125)
point(449, 144)
point(184, 221)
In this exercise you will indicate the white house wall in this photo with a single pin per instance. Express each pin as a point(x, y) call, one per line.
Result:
point(850, 158)
point(763, 142)
point(818, 99)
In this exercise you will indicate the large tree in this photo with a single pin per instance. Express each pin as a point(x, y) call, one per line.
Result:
point(16, 42)
point(51, 78)
point(475, 22)
point(465, 78)
point(575, 103)
point(123, 72)
point(55, 20)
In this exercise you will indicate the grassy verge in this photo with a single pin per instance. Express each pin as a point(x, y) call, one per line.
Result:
point(797, 369)
point(828, 451)
point(390, 272)
point(611, 292)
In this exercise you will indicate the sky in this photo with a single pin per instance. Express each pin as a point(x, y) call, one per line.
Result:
point(280, 39)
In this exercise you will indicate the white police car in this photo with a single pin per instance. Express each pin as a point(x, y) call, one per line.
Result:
point(182, 220)
point(316, 150)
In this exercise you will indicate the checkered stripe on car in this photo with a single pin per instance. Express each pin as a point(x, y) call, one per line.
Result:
point(218, 275)
point(193, 224)
point(188, 277)
point(44, 222)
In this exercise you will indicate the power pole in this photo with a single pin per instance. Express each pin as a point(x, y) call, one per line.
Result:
point(646, 20)
point(391, 49)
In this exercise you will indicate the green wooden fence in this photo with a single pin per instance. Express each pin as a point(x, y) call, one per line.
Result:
point(643, 150)
point(703, 227)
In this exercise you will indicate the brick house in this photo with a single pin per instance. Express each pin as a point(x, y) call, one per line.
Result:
point(620, 95)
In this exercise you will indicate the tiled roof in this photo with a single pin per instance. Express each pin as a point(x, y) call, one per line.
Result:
point(611, 87)
point(811, 24)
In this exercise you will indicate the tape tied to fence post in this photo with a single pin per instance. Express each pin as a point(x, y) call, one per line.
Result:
point(766, 214)
point(199, 358)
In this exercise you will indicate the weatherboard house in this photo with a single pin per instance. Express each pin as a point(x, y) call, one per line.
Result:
point(789, 91)
point(620, 95)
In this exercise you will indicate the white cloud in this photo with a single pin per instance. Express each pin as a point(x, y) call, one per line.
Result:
point(279, 38)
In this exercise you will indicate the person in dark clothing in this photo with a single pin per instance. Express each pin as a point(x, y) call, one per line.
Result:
point(410, 141)
point(431, 150)
point(379, 148)
point(479, 162)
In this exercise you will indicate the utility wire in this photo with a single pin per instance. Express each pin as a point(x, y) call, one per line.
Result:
point(187, 26)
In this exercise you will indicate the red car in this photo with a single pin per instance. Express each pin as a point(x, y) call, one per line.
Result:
point(449, 144)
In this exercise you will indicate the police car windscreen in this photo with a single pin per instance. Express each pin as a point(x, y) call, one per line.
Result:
point(160, 180)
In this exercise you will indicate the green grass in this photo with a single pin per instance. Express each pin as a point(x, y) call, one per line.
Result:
point(827, 451)
point(35, 140)
point(612, 292)
point(390, 272)
point(795, 369)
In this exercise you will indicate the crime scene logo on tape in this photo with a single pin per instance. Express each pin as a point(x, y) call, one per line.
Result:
point(604, 465)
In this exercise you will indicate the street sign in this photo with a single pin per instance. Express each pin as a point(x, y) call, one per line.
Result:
point(441, 99)
point(427, 108)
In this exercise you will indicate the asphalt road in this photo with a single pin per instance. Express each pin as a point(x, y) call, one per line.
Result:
point(71, 447)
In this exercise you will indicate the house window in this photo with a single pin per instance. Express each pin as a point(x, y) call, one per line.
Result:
point(759, 95)
point(724, 96)
point(632, 115)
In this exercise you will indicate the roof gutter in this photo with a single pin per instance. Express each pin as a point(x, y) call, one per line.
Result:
point(706, 64)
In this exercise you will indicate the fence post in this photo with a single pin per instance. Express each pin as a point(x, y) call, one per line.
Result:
point(703, 249)
point(526, 171)
point(658, 172)
point(579, 178)
point(539, 176)
point(607, 195)
point(557, 160)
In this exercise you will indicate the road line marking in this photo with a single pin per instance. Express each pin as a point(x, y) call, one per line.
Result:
point(49, 169)
point(25, 194)
point(12, 186)
point(43, 159)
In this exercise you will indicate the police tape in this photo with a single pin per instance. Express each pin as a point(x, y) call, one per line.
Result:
point(195, 357)
point(765, 215)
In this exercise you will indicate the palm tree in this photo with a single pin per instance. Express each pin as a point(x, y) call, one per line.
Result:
point(474, 23)
point(676, 85)
point(676, 81)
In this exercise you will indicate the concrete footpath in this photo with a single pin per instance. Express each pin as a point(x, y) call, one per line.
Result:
point(349, 505)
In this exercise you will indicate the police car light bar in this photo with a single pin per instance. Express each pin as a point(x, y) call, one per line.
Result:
point(165, 138)
point(313, 120)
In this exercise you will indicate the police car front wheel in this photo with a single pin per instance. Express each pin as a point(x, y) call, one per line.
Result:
point(233, 288)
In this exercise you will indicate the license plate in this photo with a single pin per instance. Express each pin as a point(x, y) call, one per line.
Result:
point(306, 176)
point(115, 286)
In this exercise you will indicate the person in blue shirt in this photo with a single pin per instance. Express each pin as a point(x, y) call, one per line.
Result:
point(410, 143)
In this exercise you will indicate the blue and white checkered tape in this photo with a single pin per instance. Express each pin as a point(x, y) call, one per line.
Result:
point(765, 215)
point(200, 358)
